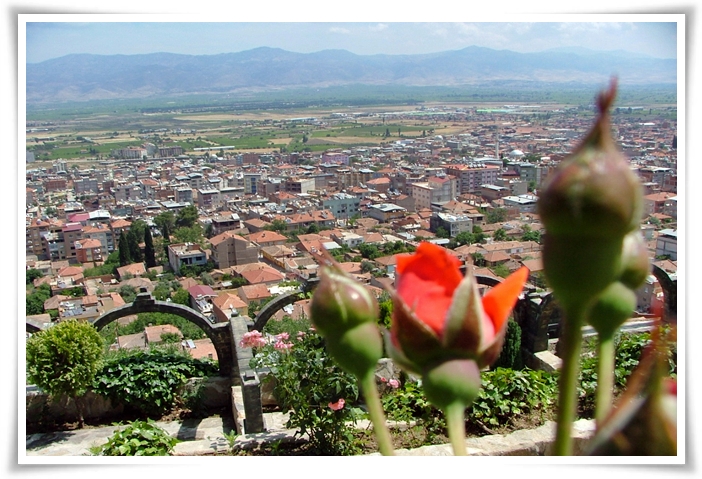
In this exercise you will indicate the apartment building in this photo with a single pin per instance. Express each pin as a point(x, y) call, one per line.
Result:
point(229, 249)
point(185, 254)
point(470, 177)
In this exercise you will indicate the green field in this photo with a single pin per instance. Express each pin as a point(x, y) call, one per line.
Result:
point(261, 121)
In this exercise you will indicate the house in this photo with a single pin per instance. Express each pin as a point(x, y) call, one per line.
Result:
point(253, 293)
point(227, 304)
point(201, 297)
point(134, 270)
point(185, 254)
point(267, 238)
point(667, 244)
point(200, 348)
point(230, 249)
point(259, 273)
point(153, 333)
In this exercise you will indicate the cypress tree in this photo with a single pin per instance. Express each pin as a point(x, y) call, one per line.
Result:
point(125, 257)
point(134, 250)
point(149, 251)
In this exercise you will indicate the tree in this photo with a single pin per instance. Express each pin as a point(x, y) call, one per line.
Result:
point(499, 235)
point(478, 259)
point(277, 225)
point(501, 270)
point(33, 274)
point(464, 237)
point(496, 215)
point(64, 359)
point(478, 235)
point(529, 235)
point(185, 234)
point(181, 296)
point(442, 232)
point(149, 251)
point(187, 217)
point(35, 301)
point(128, 293)
point(133, 244)
point(511, 355)
point(165, 222)
point(125, 257)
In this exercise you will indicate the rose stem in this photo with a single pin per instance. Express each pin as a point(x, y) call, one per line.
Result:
point(568, 383)
point(605, 377)
point(456, 424)
point(377, 416)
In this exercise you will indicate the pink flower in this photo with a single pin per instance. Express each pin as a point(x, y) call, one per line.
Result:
point(300, 335)
point(282, 346)
point(394, 383)
point(383, 380)
point(282, 337)
point(252, 339)
point(335, 406)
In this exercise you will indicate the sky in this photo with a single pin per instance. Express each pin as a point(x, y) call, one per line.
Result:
point(51, 39)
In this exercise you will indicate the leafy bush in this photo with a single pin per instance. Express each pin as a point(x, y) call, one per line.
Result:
point(409, 404)
point(64, 359)
point(150, 382)
point(140, 438)
point(311, 387)
point(628, 348)
point(507, 393)
point(287, 325)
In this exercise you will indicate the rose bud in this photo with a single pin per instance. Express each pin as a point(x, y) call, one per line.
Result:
point(345, 313)
point(612, 308)
point(590, 203)
point(340, 303)
point(593, 192)
point(635, 262)
point(438, 314)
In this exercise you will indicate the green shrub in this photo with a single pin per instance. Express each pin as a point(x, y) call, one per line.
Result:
point(308, 383)
point(628, 349)
point(64, 359)
point(408, 404)
point(507, 393)
point(140, 438)
point(149, 382)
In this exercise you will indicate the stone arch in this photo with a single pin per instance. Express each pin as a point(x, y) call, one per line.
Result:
point(670, 294)
point(279, 302)
point(218, 333)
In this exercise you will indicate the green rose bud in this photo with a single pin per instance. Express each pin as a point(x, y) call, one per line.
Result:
point(594, 192)
point(611, 309)
point(340, 303)
point(588, 206)
point(635, 262)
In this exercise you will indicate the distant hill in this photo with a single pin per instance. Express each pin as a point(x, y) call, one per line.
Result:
point(101, 77)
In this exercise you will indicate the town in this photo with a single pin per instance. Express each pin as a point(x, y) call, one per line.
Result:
point(224, 229)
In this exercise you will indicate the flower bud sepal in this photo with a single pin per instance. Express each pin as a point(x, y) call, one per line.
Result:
point(452, 381)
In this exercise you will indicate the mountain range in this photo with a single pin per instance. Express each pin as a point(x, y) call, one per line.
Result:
point(79, 77)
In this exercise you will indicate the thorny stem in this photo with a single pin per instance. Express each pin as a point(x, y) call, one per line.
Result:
point(377, 416)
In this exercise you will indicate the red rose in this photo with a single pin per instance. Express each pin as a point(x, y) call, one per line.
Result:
point(438, 314)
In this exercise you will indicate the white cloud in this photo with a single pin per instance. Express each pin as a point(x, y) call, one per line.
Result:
point(344, 31)
point(378, 27)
